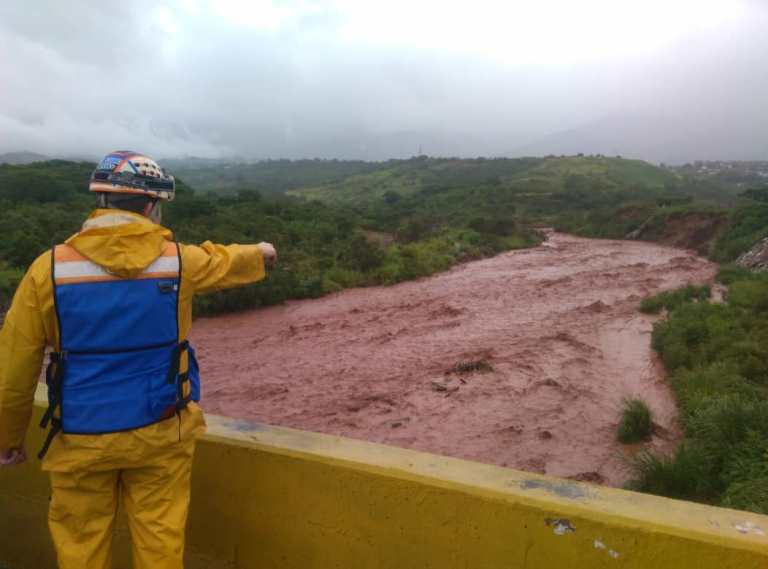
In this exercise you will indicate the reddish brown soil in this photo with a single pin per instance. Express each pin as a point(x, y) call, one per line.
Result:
point(558, 324)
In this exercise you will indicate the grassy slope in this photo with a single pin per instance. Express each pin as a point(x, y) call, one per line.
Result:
point(360, 189)
point(619, 171)
point(527, 177)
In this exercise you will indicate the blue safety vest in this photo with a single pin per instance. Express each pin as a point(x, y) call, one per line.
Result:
point(120, 363)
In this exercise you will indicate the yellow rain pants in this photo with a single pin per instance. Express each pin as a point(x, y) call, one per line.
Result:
point(144, 471)
point(153, 491)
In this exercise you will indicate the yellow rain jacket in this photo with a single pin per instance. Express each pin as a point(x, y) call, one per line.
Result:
point(152, 463)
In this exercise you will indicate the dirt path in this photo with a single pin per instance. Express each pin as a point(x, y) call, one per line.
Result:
point(558, 324)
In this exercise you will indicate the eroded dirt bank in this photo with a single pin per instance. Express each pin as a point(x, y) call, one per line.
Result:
point(558, 324)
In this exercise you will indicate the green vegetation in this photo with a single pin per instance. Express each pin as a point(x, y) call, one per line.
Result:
point(671, 218)
point(400, 178)
point(396, 220)
point(345, 223)
point(540, 188)
point(699, 214)
point(718, 362)
point(576, 194)
point(678, 477)
point(717, 355)
point(748, 223)
point(672, 299)
point(326, 248)
point(636, 424)
point(323, 248)
point(29, 226)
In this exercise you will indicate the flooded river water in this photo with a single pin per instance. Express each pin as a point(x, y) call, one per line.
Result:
point(557, 324)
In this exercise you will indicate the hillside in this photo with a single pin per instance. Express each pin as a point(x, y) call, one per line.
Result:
point(344, 224)
point(578, 194)
point(523, 177)
point(323, 248)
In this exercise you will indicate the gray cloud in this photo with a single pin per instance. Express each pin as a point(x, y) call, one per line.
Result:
point(81, 78)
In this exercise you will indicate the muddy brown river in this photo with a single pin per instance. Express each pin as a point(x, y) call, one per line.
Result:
point(558, 326)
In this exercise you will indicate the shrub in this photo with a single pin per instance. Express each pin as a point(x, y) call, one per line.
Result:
point(696, 333)
point(636, 424)
point(684, 476)
point(672, 299)
point(360, 255)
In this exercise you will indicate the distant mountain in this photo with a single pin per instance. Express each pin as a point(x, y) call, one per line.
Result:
point(22, 157)
point(658, 139)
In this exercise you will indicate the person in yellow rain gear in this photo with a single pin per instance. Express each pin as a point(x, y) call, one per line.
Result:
point(114, 302)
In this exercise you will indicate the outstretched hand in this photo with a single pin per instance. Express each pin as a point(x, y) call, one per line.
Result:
point(12, 457)
point(269, 253)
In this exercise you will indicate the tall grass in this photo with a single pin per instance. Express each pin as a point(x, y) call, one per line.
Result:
point(717, 356)
point(683, 476)
point(636, 424)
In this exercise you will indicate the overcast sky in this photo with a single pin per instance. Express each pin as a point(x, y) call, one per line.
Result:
point(352, 78)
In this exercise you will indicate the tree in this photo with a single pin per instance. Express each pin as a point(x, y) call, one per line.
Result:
point(360, 255)
point(391, 197)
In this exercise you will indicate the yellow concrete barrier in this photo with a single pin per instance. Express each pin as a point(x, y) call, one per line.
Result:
point(271, 497)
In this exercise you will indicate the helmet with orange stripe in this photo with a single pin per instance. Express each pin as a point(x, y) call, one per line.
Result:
point(132, 173)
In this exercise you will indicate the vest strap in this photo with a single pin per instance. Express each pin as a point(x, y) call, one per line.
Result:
point(175, 377)
point(53, 374)
point(178, 351)
point(55, 430)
